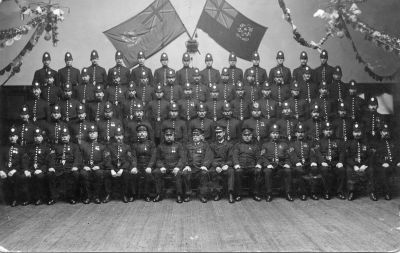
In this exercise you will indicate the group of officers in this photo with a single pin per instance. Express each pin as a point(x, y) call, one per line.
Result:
point(306, 130)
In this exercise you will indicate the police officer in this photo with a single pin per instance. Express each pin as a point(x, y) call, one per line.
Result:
point(96, 108)
point(285, 71)
point(299, 71)
point(287, 123)
point(267, 103)
point(198, 163)
point(343, 124)
point(129, 104)
point(25, 128)
point(157, 111)
point(308, 87)
point(84, 92)
point(209, 75)
point(68, 74)
point(95, 157)
point(199, 88)
point(325, 103)
point(314, 125)
point(68, 105)
point(143, 162)
point(259, 125)
point(131, 133)
point(98, 74)
point(63, 172)
point(42, 74)
point(222, 165)
point(371, 120)
point(115, 92)
point(54, 126)
point(36, 160)
point(188, 104)
point(144, 90)
point(275, 160)
point(232, 126)
point(235, 73)
point(338, 91)
point(252, 89)
point(172, 91)
point(359, 163)
point(39, 110)
point(136, 73)
point(324, 72)
point(184, 75)
point(122, 72)
point(79, 128)
point(50, 91)
point(160, 74)
point(203, 123)
point(173, 121)
point(279, 90)
point(120, 166)
point(108, 124)
point(240, 106)
point(13, 175)
point(260, 74)
point(355, 104)
point(330, 154)
point(299, 106)
point(171, 157)
point(214, 106)
point(226, 90)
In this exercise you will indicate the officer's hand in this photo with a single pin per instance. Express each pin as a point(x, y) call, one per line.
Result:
point(363, 167)
point(258, 166)
point(237, 166)
point(313, 164)
point(225, 167)
point(51, 80)
point(27, 173)
point(218, 169)
point(74, 168)
point(113, 174)
point(287, 166)
point(204, 168)
point(163, 169)
point(96, 167)
point(356, 168)
point(86, 168)
point(339, 165)
point(270, 166)
point(3, 175)
point(52, 170)
point(398, 164)
point(134, 170)
point(37, 172)
point(148, 170)
point(299, 164)
point(175, 170)
point(119, 173)
point(11, 172)
point(187, 168)
point(385, 165)
point(324, 164)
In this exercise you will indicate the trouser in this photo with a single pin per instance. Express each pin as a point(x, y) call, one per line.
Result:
point(218, 180)
point(92, 182)
point(315, 178)
point(67, 181)
point(122, 180)
point(357, 177)
point(286, 173)
point(159, 178)
point(134, 182)
point(331, 172)
point(16, 187)
point(298, 175)
point(202, 176)
point(39, 186)
point(255, 175)
point(383, 175)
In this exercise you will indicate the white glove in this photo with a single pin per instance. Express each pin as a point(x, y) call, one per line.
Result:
point(74, 168)
point(175, 170)
point(287, 166)
point(363, 167)
point(51, 80)
point(324, 164)
point(313, 164)
point(237, 166)
point(270, 166)
point(113, 173)
point(11, 172)
point(119, 173)
point(148, 170)
point(52, 170)
point(225, 167)
point(134, 170)
point(85, 168)
point(37, 172)
point(163, 170)
point(204, 168)
point(299, 164)
point(385, 165)
point(398, 164)
point(96, 167)
point(218, 169)
point(356, 168)
point(339, 165)
point(187, 168)
point(258, 166)
point(3, 174)
point(27, 173)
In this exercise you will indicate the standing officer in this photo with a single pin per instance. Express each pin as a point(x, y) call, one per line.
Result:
point(68, 74)
point(54, 126)
point(287, 123)
point(235, 73)
point(330, 154)
point(144, 159)
point(199, 88)
point(240, 106)
point(325, 103)
point(79, 128)
point(247, 162)
point(232, 126)
point(25, 128)
point(144, 90)
point(222, 165)
point(108, 124)
point(63, 169)
point(259, 125)
point(96, 109)
point(39, 109)
point(252, 89)
point(171, 157)
point(50, 91)
point(275, 160)
point(372, 120)
point(299, 71)
point(279, 90)
point(157, 111)
point(308, 87)
point(131, 133)
point(68, 105)
point(13, 175)
point(188, 104)
point(267, 104)
point(338, 91)
point(355, 104)
point(95, 157)
point(299, 106)
point(314, 125)
point(226, 90)
point(42, 74)
point(203, 123)
point(160, 74)
point(324, 72)
point(209, 75)
point(122, 72)
point(173, 121)
point(285, 71)
point(84, 92)
point(98, 74)
point(214, 106)
point(343, 124)
point(359, 163)
point(136, 73)
point(172, 91)
point(184, 75)
point(128, 112)
point(115, 93)
point(260, 74)
point(198, 163)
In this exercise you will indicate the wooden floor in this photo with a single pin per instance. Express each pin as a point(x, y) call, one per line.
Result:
point(324, 225)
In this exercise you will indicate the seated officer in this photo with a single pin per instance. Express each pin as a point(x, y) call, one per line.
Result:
point(171, 156)
point(198, 162)
point(222, 165)
point(275, 160)
point(359, 163)
point(246, 161)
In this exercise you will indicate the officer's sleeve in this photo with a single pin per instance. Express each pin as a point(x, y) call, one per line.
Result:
point(271, 76)
point(109, 79)
point(229, 160)
point(104, 77)
point(128, 76)
point(25, 162)
point(292, 154)
point(133, 156)
point(44, 166)
point(240, 75)
point(349, 157)
point(106, 163)
point(208, 157)
point(36, 77)
point(182, 156)
point(235, 154)
point(159, 158)
point(77, 156)
point(318, 157)
point(184, 133)
point(151, 78)
point(215, 162)
point(52, 157)
point(287, 159)
point(153, 157)
point(156, 77)
point(126, 161)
